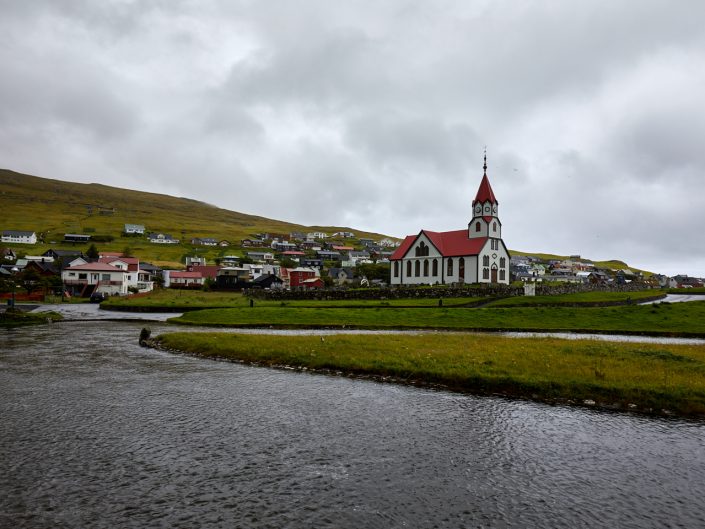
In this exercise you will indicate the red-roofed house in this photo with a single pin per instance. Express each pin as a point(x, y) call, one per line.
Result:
point(179, 279)
point(85, 279)
point(473, 255)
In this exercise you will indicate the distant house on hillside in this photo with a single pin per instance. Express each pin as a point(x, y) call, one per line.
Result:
point(76, 237)
point(204, 242)
point(162, 238)
point(134, 228)
point(19, 237)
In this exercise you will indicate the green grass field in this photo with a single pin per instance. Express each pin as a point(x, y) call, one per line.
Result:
point(189, 299)
point(646, 376)
point(679, 319)
point(579, 298)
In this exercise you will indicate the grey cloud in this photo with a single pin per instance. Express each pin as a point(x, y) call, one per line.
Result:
point(375, 115)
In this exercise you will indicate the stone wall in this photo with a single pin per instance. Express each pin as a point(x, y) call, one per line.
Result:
point(435, 292)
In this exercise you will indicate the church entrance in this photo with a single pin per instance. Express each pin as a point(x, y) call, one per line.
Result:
point(494, 274)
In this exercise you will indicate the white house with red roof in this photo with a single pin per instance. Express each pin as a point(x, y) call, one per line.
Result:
point(473, 255)
point(85, 279)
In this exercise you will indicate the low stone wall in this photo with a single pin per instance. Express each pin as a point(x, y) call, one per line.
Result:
point(468, 291)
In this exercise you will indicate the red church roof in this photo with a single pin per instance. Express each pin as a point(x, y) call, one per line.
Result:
point(484, 192)
point(449, 243)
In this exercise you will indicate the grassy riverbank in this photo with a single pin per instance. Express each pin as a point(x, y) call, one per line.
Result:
point(580, 298)
point(619, 375)
point(17, 318)
point(197, 299)
point(678, 319)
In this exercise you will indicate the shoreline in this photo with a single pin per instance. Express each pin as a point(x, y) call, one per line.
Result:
point(489, 330)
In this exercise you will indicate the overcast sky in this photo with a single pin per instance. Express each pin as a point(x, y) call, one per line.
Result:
point(374, 115)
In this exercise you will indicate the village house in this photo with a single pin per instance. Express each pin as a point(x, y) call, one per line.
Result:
point(341, 276)
point(196, 241)
point(388, 243)
point(295, 277)
point(76, 237)
point(180, 279)
point(8, 254)
point(162, 238)
point(134, 229)
point(311, 262)
point(233, 277)
point(195, 260)
point(86, 279)
point(344, 234)
point(19, 237)
point(316, 235)
point(473, 255)
point(261, 256)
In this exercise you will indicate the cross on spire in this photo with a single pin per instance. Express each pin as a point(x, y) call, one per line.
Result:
point(484, 166)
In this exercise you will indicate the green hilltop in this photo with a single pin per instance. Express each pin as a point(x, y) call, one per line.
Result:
point(52, 208)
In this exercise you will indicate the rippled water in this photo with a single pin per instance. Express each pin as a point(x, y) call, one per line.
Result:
point(98, 432)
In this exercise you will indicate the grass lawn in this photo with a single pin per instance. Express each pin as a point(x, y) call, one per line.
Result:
point(660, 319)
point(199, 299)
point(649, 376)
point(580, 297)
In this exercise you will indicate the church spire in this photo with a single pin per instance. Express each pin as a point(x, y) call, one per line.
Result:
point(484, 192)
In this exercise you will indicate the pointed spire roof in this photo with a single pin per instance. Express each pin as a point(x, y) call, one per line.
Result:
point(484, 192)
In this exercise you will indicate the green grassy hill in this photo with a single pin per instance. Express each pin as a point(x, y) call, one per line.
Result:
point(53, 207)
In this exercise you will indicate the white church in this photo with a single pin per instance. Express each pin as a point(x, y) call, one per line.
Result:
point(474, 255)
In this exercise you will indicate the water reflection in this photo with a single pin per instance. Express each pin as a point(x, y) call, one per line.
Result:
point(98, 432)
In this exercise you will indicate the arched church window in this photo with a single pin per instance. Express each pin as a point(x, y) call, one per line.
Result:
point(494, 226)
point(450, 266)
point(396, 268)
point(435, 267)
point(501, 275)
point(417, 268)
point(425, 268)
point(486, 260)
point(485, 273)
point(408, 269)
point(478, 227)
point(502, 262)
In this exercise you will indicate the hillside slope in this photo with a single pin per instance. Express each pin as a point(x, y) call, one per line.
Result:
point(54, 207)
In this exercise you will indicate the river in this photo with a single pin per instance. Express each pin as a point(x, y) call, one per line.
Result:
point(99, 432)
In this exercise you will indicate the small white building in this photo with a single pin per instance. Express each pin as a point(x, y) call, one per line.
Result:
point(162, 238)
point(19, 237)
point(134, 228)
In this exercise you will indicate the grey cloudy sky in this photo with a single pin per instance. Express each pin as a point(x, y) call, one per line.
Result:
point(374, 115)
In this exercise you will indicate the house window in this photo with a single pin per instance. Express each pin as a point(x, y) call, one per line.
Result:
point(417, 268)
point(408, 269)
point(477, 226)
point(435, 267)
point(502, 262)
point(486, 260)
point(83, 276)
point(450, 266)
point(105, 277)
point(396, 268)
point(485, 273)
point(425, 268)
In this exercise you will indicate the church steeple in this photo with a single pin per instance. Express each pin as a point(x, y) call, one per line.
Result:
point(484, 192)
point(485, 220)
